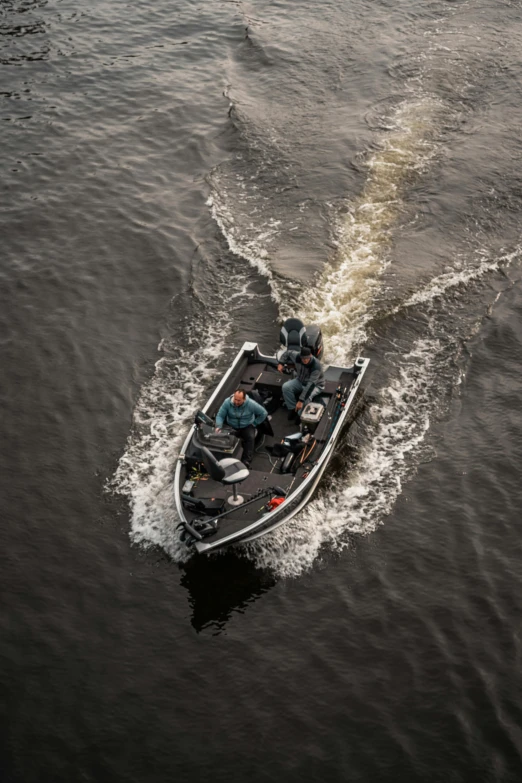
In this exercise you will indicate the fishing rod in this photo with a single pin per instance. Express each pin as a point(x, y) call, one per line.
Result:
point(341, 395)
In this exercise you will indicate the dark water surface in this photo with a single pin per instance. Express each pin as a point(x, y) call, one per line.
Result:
point(181, 177)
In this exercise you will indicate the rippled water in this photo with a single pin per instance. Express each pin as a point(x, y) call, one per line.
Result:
point(177, 180)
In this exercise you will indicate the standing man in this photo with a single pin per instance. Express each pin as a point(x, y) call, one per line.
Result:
point(308, 380)
point(243, 415)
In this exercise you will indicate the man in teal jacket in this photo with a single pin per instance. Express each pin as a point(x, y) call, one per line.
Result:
point(243, 415)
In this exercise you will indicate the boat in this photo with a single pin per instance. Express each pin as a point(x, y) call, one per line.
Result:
point(221, 502)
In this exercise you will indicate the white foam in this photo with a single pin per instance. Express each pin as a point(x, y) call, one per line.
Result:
point(343, 298)
point(161, 419)
point(454, 278)
point(162, 416)
point(358, 502)
point(344, 303)
point(254, 249)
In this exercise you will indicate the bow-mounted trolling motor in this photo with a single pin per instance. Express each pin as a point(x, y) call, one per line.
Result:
point(295, 335)
point(203, 527)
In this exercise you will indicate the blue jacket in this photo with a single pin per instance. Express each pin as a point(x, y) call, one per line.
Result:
point(241, 416)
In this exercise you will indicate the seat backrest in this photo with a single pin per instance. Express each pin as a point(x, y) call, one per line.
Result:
point(293, 334)
point(212, 465)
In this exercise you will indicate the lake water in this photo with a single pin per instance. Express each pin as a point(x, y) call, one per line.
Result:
point(177, 179)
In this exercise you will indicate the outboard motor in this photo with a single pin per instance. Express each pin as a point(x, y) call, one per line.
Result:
point(315, 340)
point(294, 335)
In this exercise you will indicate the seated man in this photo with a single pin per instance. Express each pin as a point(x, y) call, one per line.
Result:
point(308, 380)
point(243, 415)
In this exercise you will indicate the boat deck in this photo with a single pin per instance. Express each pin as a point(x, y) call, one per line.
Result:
point(265, 469)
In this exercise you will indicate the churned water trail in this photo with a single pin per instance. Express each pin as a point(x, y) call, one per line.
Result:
point(357, 499)
point(345, 299)
point(166, 406)
point(341, 303)
point(342, 299)
point(345, 302)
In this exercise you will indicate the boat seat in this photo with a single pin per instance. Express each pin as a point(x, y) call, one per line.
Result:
point(293, 334)
point(227, 471)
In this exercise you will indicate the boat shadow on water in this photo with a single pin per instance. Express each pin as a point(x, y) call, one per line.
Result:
point(220, 586)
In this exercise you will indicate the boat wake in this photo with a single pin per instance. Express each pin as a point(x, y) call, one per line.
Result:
point(422, 364)
point(189, 365)
point(357, 499)
point(419, 382)
point(343, 298)
point(416, 367)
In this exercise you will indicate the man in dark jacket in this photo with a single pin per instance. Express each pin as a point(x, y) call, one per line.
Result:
point(243, 415)
point(308, 381)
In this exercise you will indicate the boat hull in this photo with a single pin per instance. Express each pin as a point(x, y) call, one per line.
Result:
point(247, 522)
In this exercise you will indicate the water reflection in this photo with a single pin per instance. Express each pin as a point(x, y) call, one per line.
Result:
point(18, 22)
point(220, 586)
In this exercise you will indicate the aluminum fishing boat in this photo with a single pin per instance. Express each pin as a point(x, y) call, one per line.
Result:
point(220, 501)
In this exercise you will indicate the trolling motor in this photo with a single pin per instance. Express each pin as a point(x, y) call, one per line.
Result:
point(202, 527)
